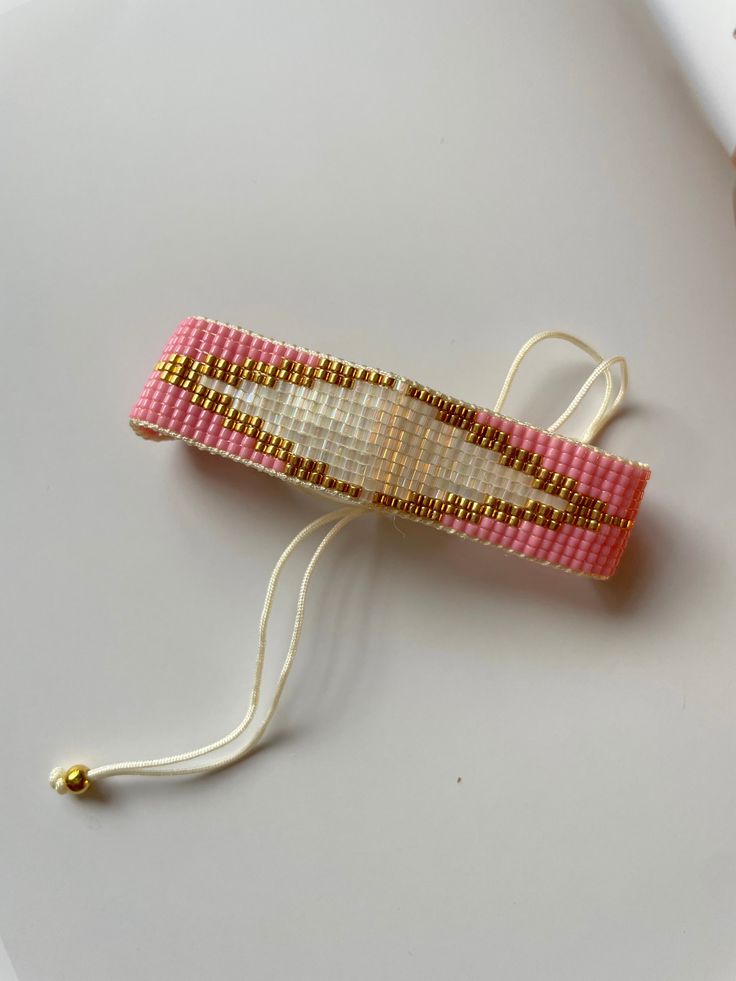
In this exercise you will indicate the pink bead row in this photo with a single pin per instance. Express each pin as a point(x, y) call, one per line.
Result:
point(615, 481)
point(195, 338)
point(595, 553)
point(167, 407)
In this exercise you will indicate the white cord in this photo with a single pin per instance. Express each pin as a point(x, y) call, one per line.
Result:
point(609, 404)
point(342, 517)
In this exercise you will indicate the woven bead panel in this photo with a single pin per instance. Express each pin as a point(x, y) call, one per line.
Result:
point(382, 440)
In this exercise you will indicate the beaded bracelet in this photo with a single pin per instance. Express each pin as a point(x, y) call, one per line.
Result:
point(382, 440)
point(379, 442)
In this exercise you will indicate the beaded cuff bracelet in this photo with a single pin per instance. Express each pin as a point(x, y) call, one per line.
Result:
point(381, 440)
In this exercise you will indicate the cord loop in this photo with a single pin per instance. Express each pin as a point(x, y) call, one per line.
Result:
point(610, 401)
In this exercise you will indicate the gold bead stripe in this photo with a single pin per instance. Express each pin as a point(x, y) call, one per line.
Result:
point(338, 373)
point(582, 510)
point(463, 417)
point(315, 472)
point(454, 413)
point(466, 509)
point(300, 467)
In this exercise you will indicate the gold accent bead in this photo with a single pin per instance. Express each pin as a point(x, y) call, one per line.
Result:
point(76, 779)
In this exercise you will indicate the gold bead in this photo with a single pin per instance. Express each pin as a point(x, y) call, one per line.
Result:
point(76, 779)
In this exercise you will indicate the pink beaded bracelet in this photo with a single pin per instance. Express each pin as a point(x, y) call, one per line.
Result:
point(379, 442)
point(383, 441)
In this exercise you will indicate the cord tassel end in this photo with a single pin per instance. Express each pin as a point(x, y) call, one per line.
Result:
point(74, 780)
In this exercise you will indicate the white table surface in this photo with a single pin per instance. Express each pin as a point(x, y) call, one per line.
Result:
point(419, 186)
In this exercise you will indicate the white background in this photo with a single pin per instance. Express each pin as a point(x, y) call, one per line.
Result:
point(419, 186)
